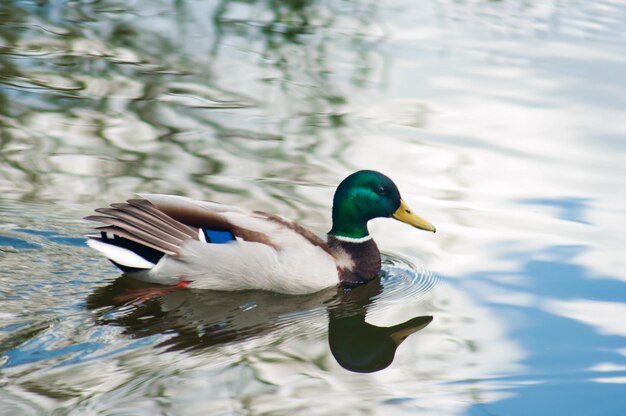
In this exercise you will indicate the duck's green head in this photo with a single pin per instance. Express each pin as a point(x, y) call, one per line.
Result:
point(365, 195)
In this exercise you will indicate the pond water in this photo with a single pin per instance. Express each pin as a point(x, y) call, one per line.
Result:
point(502, 122)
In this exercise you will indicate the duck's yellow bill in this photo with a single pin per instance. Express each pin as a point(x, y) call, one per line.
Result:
point(402, 331)
point(406, 215)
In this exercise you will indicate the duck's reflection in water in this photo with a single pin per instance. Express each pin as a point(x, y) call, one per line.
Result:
point(357, 345)
point(197, 319)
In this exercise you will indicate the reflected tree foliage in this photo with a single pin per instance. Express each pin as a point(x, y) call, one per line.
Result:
point(107, 96)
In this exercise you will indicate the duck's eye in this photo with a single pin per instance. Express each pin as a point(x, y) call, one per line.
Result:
point(380, 190)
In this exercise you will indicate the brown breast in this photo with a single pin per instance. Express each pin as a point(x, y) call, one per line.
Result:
point(359, 262)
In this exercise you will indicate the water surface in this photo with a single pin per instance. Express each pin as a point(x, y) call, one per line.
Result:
point(500, 121)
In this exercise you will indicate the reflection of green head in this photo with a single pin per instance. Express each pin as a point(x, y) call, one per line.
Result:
point(360, 197)
point(364, 348)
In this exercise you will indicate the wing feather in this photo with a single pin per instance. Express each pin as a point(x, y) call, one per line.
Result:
point(144, 224)
point(134, 233)
point(208, 215)
point(146, 211)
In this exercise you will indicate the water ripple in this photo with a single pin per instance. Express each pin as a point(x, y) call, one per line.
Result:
point(403, 281)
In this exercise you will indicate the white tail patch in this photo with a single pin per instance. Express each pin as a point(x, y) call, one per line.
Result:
point(120, 255)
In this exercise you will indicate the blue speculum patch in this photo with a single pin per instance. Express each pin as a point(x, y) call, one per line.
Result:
point(218, 236)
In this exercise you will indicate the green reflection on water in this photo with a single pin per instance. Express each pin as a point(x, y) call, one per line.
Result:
point(161, 95)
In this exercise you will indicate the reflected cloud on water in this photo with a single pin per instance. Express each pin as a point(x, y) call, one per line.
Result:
point(568, 323)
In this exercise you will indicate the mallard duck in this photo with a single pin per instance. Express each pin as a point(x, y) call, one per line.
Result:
point(174, 240)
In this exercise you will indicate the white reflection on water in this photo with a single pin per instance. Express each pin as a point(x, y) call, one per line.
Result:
point(605, 317)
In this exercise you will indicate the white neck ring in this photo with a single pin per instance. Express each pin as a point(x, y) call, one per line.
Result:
point(352, 240)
